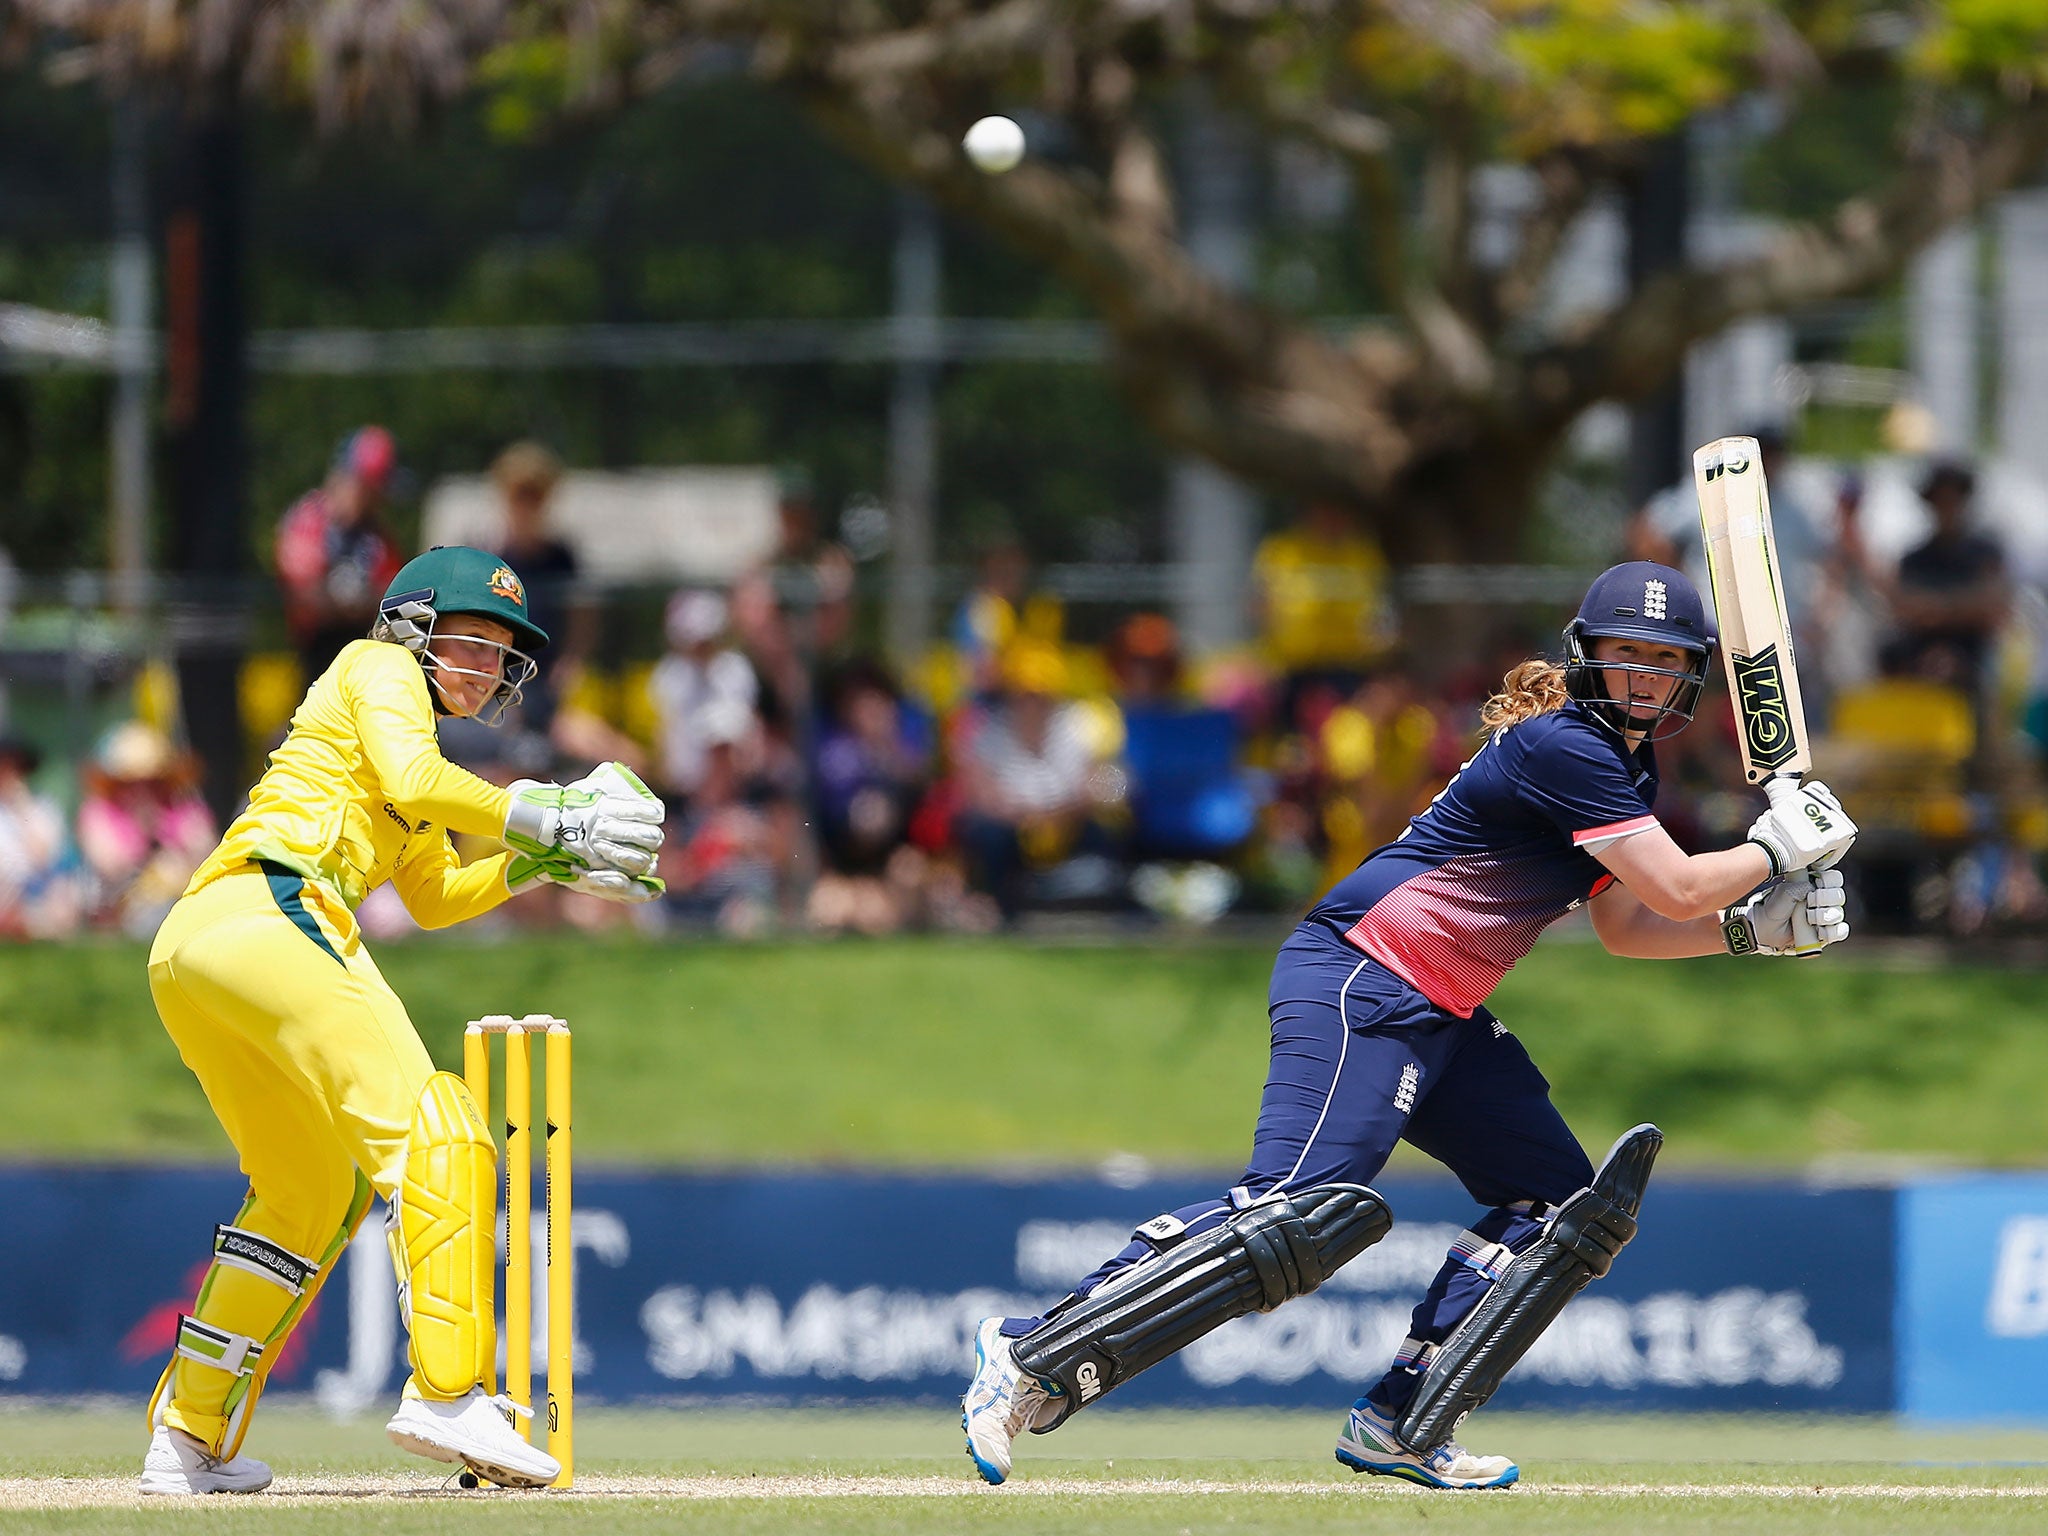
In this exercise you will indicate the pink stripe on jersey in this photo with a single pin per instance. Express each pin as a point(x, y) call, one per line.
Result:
point(1613, 830)
point(1453, 932)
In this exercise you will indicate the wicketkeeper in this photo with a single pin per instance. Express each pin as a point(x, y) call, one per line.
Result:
point(307, 1056)
point(1380, 1033)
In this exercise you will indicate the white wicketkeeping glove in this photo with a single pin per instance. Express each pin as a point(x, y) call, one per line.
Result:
point(1805, 825)
point(609, 884)
point(1798, 916)
point(526, 871)
point(617, 780)
point(596, 828)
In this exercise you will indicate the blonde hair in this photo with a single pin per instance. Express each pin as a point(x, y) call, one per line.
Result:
point(1534, 688)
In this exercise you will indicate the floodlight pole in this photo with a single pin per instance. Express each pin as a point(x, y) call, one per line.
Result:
point(134, 362)
point(1212, 518)
point(913, 428)
point(206, 385)
point(1944, 329)
point(1659, 209)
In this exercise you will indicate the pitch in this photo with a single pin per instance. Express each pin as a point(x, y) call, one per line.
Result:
point(860, 1470)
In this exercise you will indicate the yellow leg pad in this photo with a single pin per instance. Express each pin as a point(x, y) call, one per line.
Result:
point(211, 1364)
point(243, 1394)
point(447, 1240)
point(160, 1399)
point(246, 1305)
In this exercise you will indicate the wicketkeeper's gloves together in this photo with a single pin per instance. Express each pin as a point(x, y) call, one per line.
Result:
point(599, 835)
point(1805, 826)
point(1800, 916)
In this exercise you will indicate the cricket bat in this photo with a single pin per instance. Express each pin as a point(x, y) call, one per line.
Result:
point(1749, 603)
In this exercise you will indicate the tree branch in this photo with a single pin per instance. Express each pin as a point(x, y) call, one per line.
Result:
point(978, 42)
point(1447, 205)
point(350, 58)
point(1565, 190)
point(1630, 351)
point(1466, 32)
point(1451, 348)
point(1140, 189)
point(1210, 369)
point(1364, 143)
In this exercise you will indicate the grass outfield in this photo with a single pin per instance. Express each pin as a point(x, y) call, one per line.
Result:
point(924, 1052)
point(1121, 1474)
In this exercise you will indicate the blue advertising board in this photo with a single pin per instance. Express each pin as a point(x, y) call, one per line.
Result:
point(1973, 1298)
point(854, 1286)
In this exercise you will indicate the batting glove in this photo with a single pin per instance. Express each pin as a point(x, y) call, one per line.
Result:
point(1789, 917)
point(1805, 825)
point(593, 828)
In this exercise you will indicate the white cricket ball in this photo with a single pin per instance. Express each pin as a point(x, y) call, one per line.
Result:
point(995, 144)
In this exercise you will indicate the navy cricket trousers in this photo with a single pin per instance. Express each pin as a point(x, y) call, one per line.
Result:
point(1361, 1060)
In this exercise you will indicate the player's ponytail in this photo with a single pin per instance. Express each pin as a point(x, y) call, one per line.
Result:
point(1534, 688)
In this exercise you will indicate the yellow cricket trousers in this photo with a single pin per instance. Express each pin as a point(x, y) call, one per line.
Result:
point(313, 1068)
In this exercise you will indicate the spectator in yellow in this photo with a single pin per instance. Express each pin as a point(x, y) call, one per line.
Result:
point(1320, 593)
point(1038, 779)
point(1377, 754)
point(985, 623)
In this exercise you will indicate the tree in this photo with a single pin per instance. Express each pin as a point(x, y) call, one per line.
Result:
point(1435, 415)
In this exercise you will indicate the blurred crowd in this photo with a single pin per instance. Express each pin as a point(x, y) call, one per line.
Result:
point(140, 830)
point(1023, 768)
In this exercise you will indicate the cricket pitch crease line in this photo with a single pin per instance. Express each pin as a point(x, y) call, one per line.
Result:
point(314, 1492)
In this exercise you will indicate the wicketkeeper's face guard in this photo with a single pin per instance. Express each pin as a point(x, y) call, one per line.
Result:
point(1659, 609)
point(410, 619)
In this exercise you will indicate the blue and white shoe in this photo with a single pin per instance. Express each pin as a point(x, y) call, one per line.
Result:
point(1369, 1444)
point(1002, 1402)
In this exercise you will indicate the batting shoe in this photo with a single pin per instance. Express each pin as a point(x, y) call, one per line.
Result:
point(177, 1463)
point(1369, 1444)
point(1002, 1402)
point(476, 1431)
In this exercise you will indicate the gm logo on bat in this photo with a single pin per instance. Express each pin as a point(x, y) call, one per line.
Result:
point(1735, 466)
point(1765, 724)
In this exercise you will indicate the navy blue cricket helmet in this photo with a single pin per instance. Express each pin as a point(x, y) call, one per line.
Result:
point(1640, 600)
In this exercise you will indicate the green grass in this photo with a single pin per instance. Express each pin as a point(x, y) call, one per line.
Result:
point(1103, 1473)
point(997, 1054)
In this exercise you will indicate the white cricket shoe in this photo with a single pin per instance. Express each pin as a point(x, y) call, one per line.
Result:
point(476, 1431)
point(1369, 1444)
point(1002, 1402)
point(177, 1463)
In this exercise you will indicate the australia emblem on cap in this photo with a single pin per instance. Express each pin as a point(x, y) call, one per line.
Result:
point(506, 585)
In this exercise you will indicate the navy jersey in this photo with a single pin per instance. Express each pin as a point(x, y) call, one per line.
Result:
point(1502, 853)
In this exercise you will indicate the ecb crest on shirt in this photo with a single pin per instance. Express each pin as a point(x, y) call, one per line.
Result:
point(1765, 721)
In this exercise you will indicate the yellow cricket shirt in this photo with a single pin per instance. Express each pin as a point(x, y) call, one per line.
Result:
point(359, 793)
point(1326, 603)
